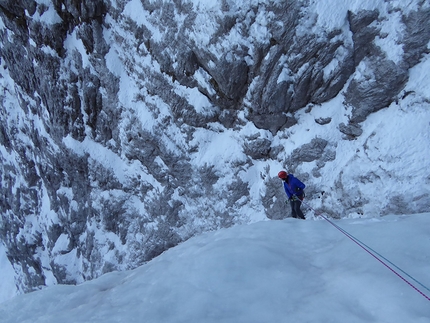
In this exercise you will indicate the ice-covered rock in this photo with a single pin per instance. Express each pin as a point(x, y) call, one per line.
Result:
point(130, 126)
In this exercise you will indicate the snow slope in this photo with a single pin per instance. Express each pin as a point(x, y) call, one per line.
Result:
point(270, 271)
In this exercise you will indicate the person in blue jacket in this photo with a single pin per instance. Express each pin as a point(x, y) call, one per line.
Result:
point(294, 189)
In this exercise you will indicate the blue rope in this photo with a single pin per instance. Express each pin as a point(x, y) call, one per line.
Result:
point(376, 255)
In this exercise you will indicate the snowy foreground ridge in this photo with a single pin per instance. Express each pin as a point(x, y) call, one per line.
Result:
point(270, 271)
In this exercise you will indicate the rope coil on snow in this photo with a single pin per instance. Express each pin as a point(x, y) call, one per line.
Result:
point(376, 255)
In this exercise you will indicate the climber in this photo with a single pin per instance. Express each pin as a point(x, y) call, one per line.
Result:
point(294, 189)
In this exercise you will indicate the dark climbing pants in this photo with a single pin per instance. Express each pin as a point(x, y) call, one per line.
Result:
point(296, 212)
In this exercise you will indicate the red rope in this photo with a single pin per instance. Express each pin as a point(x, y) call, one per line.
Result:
point(351, 237)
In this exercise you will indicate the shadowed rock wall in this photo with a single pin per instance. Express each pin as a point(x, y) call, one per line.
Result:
point(66, 215)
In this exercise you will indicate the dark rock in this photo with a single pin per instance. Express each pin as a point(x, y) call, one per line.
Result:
point(363, 34)
point(352, 131)
point(272, 122)
point(417, 36)
point(323, 121)
point(274, 200)
point(309, 152)
point(258, 148)
point(290, 87)
point(379, 88)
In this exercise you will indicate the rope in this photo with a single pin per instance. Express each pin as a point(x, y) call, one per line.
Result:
point(376, 255)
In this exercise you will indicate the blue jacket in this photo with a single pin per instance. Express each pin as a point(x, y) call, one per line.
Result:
point(293, 186)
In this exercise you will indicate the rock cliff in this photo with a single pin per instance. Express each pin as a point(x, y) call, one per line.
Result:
point(108, 107)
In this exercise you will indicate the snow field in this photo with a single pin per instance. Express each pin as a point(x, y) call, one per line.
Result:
point(270, 271)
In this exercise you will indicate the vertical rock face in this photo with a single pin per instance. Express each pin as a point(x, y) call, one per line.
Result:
point(109, 107)
point(381, 77)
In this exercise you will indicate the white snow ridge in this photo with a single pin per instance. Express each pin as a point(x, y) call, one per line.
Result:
point(270, 271)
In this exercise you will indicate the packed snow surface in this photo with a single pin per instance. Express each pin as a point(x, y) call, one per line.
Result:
point(269, 271)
